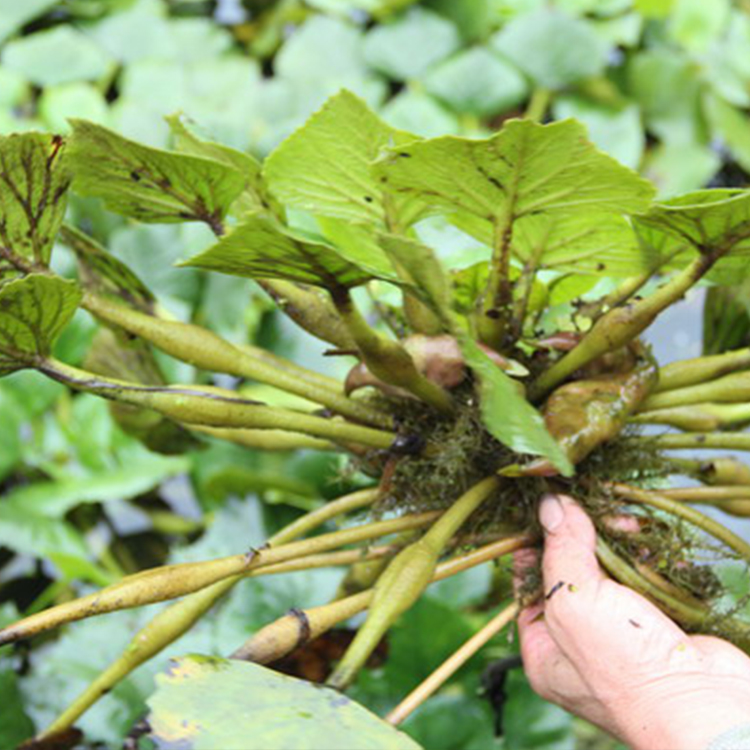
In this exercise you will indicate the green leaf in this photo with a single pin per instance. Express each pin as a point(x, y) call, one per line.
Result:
point(253, 197)
point(508, 415)
point(616, 131)
point(58, 103)
point(150, 184)
point(58, 55)
point(695, 24)
point(324, 167)
point(103, 273)
point(525, 172)
point(269, 711)
point(34, 180)
point(420, 113)
point(421, 270)
point(14, 15)
point(407, 47)
point(730, 124)
point(705, 221)
point(33, 312)
point(10, 435)
point(29, 533)
point(477, 82)
point(554, 49)
point(15, 725)
point(262, 248)
point(726, 319)
point(55, 499)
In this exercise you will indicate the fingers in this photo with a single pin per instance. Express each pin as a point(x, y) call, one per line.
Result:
point(569, 546)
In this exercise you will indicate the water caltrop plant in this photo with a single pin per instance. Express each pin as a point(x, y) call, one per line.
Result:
point(490, 383)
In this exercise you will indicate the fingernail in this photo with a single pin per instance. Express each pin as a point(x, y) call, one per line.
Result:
point(551, 513)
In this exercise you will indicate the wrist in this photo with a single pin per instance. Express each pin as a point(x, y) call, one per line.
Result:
point(689, 719)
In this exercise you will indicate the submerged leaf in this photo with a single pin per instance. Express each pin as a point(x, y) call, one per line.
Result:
point(150, 184)
point(508, 415)
point(33, 312)
point(203, 703)
point(262, 248)
point(324, 167)
point(34, 180)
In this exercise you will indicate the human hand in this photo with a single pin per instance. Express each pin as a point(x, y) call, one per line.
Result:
point(605, 653)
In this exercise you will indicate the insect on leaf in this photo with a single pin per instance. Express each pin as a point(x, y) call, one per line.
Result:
point(34, 311)
point(34, 180)
point(149, 184)
point(262, 248)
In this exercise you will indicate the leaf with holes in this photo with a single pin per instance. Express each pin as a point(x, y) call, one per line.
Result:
point(324, 167)
point(34, 180)
point(261, 248)
point(204, 702)
point(149, 184)
point(34, 311)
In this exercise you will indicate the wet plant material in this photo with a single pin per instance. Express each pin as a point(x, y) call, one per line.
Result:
point(481, 400)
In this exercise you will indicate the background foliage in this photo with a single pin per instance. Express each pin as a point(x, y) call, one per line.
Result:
point(662, 85)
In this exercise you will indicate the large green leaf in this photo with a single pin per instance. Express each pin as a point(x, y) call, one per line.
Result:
point(706, 221)
point(33, 312)
point(324, 167)
point(34, 180)
point(150, 184)
point(524, 173)
point(260, 247)
point(14, 15)
point(554, 49)
point(205, 703)
point(252, 198)
point(508, 415)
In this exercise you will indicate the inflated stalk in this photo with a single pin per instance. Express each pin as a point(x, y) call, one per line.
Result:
point(701, 417)
point(732, 441)
point(719, 472)
point(266, 440)
point(175, 620)
point(734, 500)
point(173, 581)
point(310, 310)
point(284, 635)
point(204, 349)
point(452, 664)
point(689, 372)
point(686, 513)
point(621, 325)
point(728, 389)
point(387, 359)
point(404, 580)
point(686, 614)
point(213, 407)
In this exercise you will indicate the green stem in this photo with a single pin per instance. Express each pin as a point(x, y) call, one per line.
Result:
point(387, 359)
point(689, 372)
point(310, 310)
point(733, 441)
point(538, 104)
point(621, 325)
point(207, 351)
point(730, 388)
point(716, 471)
point(707, 495)
point(404, 580)
point(685, 512)
point(213, 407)
point(696, 417)
point(266, 440)
point(172, 622)
point(685, 614)
point(173, 581)
point(280, 637)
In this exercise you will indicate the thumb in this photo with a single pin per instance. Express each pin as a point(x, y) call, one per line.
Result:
point(569, 544)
